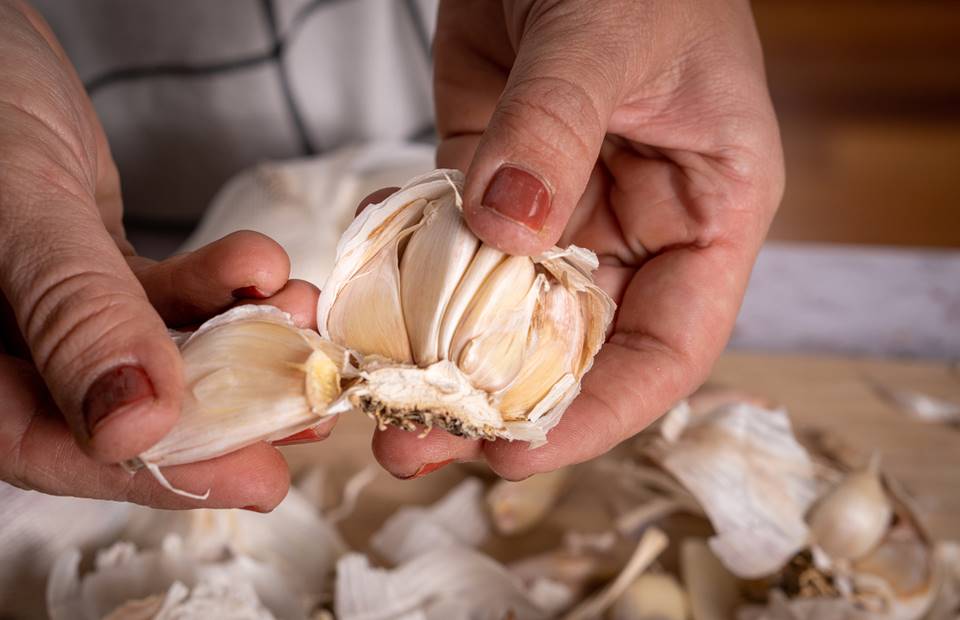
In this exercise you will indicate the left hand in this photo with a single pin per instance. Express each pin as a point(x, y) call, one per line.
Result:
point(38, 450)
point(641, 129)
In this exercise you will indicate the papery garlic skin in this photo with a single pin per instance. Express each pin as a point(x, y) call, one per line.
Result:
point(250, 375)
point(453, 332)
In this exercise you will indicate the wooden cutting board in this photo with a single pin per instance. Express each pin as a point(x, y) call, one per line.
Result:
point(834, 395)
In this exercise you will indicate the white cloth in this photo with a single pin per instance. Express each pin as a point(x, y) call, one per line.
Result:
point(190, 93)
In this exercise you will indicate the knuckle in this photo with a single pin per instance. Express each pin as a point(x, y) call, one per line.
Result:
point(569, 121)
point(70, 313)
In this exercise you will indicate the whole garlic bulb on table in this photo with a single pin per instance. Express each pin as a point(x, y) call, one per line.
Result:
point(452, 332)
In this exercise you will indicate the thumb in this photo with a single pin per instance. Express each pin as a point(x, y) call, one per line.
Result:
point(542, 142)
point(102, 350)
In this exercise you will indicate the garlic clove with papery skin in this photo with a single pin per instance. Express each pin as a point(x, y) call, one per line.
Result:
point(490, 346)
point(250, 375)
point(852, 518)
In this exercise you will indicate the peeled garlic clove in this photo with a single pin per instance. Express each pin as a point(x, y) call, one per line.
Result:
point(251, 375)
point(653, 596)
point(497, 344)
point(852, 518)
point(515, 507)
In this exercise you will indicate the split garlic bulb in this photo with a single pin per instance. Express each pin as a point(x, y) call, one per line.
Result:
point(455, 333)
point(250, 375)
point(852, 518)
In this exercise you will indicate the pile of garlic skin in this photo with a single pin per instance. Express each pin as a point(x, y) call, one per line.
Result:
point(420, 323)
point(652, 531)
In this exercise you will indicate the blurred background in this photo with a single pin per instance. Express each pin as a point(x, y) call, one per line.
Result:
point(868, 94)
point(863, 253)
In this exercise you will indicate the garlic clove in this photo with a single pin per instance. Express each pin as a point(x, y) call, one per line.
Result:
point(484, 262)
point(516, 507)
point(852, 518)
point(714, 592)
point(652, 596)
point(368, 313)
point(251, 375)
point(488, 344)
point(572, 267)
point(373, 230)
point(434, 261)
point(554, 351)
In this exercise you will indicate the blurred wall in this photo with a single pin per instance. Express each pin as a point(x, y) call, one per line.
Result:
point(868, 94)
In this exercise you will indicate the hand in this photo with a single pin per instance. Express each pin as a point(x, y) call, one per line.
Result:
point(83, 340)
point(641, 129)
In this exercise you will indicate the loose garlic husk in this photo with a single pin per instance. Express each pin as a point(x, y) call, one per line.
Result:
point(653, 596)
point(250, 375)
point(852, 518)
point(452, 332)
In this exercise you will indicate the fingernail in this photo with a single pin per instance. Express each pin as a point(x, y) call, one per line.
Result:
point(249, 292)
point(306, 436)
point(429, 468)
point(115, 390)
point(252, 509)
point(518, 195)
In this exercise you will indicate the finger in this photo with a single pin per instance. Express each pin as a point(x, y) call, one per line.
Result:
point(310, 435)
point(472, 59)
point(675, 319)
point(188, 288)
point(103, 351)
point(37, 451)
point(298, 298)
point(544, 136)
point(407, 454)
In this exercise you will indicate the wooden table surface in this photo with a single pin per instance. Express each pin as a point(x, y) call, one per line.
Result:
point(833, 395)
point(839, 396)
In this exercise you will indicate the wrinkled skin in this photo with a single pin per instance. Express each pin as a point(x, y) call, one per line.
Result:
point(650, 124)
point(648, 121)
point(77, 301)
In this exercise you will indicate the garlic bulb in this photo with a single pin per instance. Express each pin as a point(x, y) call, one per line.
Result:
point(453, 332)
point(251, 375)
point(852, 518)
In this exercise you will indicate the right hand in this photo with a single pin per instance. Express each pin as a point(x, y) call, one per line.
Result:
point(88, 375)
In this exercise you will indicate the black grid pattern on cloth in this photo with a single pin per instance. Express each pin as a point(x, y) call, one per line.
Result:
point(273, 56)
